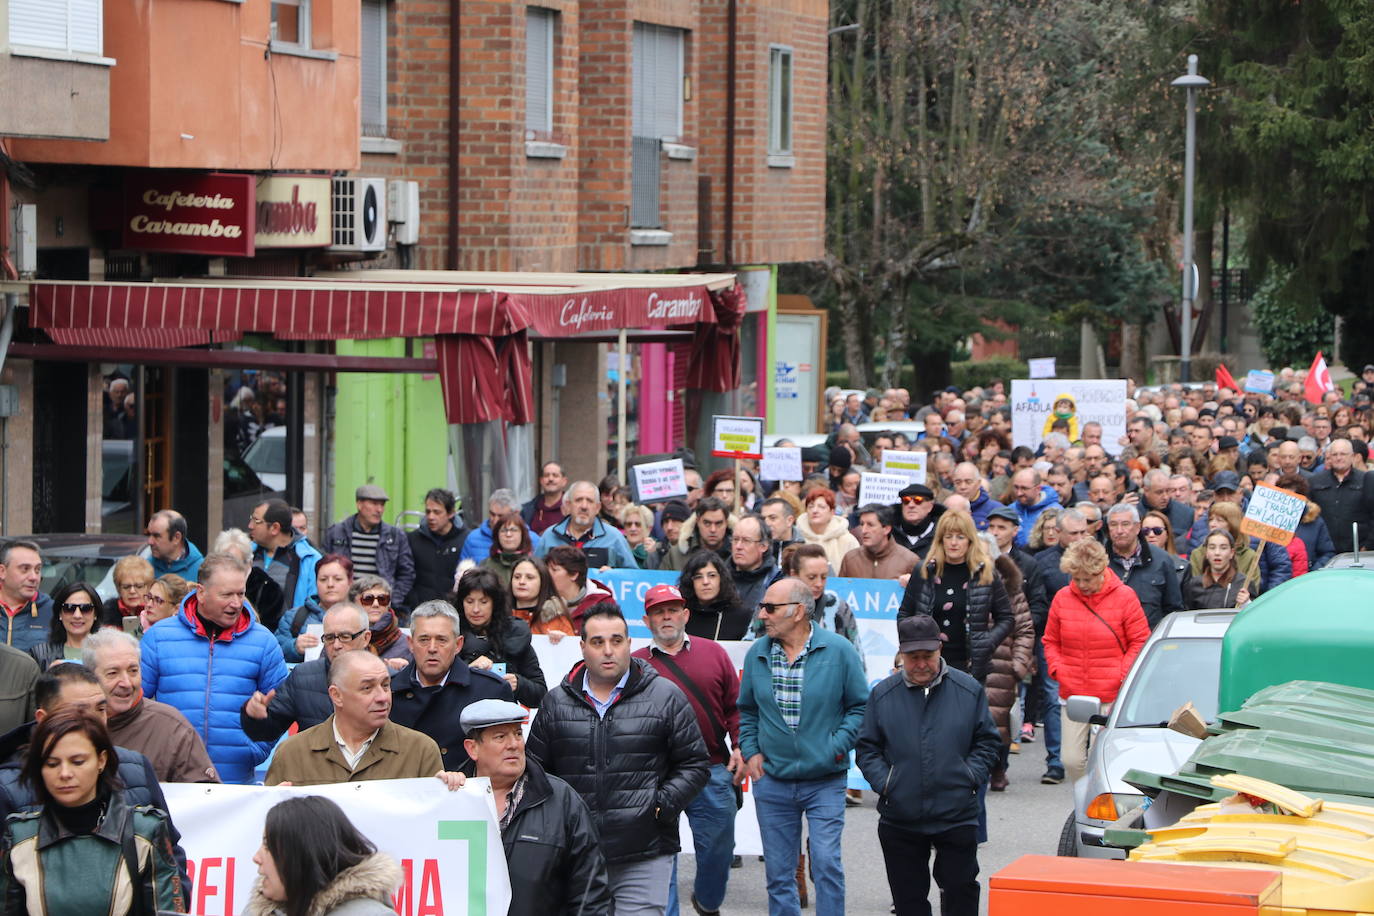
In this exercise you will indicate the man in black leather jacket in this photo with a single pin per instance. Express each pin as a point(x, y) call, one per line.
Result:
point(552, 853)
point(627, 740)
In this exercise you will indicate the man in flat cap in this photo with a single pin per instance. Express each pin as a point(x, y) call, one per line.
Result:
point(374, 546)
point(552, 854)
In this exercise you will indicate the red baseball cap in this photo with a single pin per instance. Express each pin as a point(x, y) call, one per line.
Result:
point(662, 594)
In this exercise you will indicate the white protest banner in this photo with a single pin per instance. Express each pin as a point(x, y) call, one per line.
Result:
point(446, 843)
point(1259, 381)
point(781, 463)
point(911, 465)
point(1273, 514)
point(660, 480)
point(1037, 403)
point(1041, 368)
point(882, 488)
point(737, 437)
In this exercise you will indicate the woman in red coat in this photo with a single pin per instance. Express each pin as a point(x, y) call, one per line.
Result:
point(1095, 630)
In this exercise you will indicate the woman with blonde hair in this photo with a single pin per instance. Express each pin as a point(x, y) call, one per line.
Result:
point(1095, 630)
point(959, 586)
point(1045, 532)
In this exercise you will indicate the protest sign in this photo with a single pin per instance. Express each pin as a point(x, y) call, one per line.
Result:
point(1041, 368)
point(659, 480)
point(782, 463)
point(1101, 401)
point(737, 437)
point(911, 465)
point(1258, 381)
point(446, 843)
point(882, 488)
point(1273, 514)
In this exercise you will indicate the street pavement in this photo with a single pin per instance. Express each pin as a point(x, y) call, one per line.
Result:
point(1025, 819)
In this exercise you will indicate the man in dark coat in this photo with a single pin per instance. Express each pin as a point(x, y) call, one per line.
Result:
point(915, 528)
point(927, 743)
point(1143, 567)
point(435, 548)
point(552, 853)
point(1346, 496)
point(627, 740)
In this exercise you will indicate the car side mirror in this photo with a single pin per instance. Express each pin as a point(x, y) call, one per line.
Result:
point(1085, 709)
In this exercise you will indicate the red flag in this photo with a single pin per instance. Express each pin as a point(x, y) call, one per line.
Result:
point(1225, 379)
point(1318, 380)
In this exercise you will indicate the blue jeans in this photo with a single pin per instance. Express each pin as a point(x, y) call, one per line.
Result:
point(712, 816)
point(780, 804)
point(1049, 708)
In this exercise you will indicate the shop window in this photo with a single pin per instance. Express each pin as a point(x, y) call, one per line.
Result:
point(541, 25)
point(779, 100)
point(373, 38)
point(73, 26)
point(291, 22)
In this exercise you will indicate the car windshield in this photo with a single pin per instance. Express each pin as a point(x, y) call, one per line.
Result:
point(267, 455)
point(1173, 672)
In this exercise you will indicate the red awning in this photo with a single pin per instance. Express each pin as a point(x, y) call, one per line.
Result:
point(480, 321)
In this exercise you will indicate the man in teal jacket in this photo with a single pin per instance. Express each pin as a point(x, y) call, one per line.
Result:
point(801, 701)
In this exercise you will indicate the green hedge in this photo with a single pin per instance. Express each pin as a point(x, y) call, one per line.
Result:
point(983, 372)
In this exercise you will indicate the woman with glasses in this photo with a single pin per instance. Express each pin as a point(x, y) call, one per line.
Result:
point(635, 523)
point(1158, 531)
point(132, 575)
point(709, 591)
point(373, 595)
point(495, 641)
point(534, 600)
point(164, 597)
point(333, 578)
point(510, 544)
point(76, 615)
point(1045, 532)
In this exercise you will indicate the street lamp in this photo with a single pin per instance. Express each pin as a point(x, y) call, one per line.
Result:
point(1192, 82)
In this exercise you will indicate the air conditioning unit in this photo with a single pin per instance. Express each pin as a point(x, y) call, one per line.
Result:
point(359, 207)
point(403, 210)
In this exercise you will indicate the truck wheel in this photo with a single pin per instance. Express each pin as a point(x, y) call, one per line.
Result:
point(1068, 845)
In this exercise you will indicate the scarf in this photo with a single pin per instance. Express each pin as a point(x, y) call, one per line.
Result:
point(385, 632)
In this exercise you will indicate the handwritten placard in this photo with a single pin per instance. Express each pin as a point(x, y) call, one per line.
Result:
point(1273, 514)
point(660, 480)
point(911, 465)
point(882, 488)
point(737, 437)
point(783, 463)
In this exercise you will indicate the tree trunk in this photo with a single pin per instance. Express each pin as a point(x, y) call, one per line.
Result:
point(858, 352)
point(894, 346)
point(1087, 351)
point(1132, 352)
point(930, 373)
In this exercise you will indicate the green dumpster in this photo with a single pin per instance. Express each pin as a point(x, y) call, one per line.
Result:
point(1302, 762)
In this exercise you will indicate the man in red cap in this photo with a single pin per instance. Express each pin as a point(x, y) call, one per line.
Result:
point(704, 673)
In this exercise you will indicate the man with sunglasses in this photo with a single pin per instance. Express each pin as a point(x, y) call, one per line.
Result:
point(304, 696)
point(915, 528)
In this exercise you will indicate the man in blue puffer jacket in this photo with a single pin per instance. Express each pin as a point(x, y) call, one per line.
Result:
point(209, 658)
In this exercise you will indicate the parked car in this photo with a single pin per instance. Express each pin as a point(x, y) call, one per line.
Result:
point(243, 489)
point(267, 457)
point(1180, 663)
point(800, 440)
point(88, 558)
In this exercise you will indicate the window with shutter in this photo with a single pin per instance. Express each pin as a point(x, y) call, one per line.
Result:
point(540, 27)
point(779, 100)
point(74, 26)
point(373, 35)
point(658, 81)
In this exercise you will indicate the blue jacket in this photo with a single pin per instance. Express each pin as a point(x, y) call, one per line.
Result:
point(601, 535)
point(980, 508)
point(186, 567)
point(834, 694)
point(31, 626)
point(927, 750)
point(1317, 539)
point(478, 545)
point(286, 638)
point(210, 681)
point(1048, 499)
point(301, 558)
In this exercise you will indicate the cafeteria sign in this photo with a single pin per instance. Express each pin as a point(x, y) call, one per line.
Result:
point(293, 212)
point(190, 212)
point(737, 437)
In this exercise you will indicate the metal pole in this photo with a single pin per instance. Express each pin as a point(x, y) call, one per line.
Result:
point(1192, 82)
point(623, 366)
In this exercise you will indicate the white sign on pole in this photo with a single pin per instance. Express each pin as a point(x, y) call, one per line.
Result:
point(1037, 403)
point(783, 463)
point(446, 843)
point(660, 480)
point(1041, 368)
point(911, 465)
point(737, 437)
point(882, 488)
point(1259, 381)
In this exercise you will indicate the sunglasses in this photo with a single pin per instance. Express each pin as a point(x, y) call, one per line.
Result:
point(1152, 529)
point(375, 600)
point(78, 608)
point(913, 500)
point(767, 608)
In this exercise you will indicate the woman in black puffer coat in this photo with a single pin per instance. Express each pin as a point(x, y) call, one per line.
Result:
point(493, 639)
point(959, 587)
